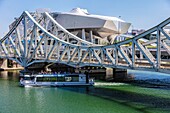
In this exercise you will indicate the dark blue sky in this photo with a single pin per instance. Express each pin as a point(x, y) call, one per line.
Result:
point(143, 14)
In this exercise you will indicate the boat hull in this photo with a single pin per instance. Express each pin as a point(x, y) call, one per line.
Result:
point(54, 84)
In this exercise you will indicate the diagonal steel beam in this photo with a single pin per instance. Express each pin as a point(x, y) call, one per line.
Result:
point(122, 52)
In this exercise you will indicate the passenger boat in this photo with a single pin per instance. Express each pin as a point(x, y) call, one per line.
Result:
point(28, 80)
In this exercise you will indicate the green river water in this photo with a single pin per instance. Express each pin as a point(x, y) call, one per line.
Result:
point(15, 99)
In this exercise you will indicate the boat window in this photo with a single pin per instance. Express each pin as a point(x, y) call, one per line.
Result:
point(52, 79)
point(75, 79)
point(39, 79)
point(46, 79)
point(27, 78)
point(60, 79)
point(68, 79)
point(57, 79)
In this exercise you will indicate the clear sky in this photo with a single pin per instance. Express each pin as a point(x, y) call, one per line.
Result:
point(143, 14)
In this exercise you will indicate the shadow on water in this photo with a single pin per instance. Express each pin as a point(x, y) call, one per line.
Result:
point(139, 102)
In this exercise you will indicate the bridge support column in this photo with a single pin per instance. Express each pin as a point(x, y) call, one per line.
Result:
point(109, 73)
point(141, 55)
point(115, 74)
point(4, 63)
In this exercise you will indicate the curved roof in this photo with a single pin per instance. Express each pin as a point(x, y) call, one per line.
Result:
point(102, 25)
point(84, 12)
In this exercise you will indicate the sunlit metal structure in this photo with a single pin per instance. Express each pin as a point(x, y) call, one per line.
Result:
point(31, 40)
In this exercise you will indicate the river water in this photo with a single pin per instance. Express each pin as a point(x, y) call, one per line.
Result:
point(15, 99)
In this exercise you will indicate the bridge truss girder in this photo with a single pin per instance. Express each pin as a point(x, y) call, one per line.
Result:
point(36, 39)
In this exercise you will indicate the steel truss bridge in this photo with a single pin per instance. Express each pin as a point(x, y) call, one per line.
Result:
point(37, 38)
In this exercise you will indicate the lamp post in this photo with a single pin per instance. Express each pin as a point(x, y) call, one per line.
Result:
point(119, 28)
point(119, 25)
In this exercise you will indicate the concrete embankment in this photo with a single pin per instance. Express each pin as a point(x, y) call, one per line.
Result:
point(10, 69)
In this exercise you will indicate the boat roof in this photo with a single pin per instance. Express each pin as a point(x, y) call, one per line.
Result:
point(54, 75)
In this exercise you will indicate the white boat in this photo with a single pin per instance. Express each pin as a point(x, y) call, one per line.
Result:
point(28, 80)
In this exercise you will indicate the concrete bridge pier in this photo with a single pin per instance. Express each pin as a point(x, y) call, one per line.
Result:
point(3, 63)
point(115, 74)
point(6, 64)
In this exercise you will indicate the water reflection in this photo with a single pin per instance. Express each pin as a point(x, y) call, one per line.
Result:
point(9, 75)
point(4, 74)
